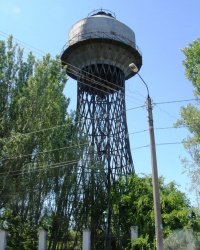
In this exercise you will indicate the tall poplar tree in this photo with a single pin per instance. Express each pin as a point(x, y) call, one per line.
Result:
point(39, 149)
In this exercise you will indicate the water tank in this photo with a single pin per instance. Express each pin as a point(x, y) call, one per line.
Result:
point(101, 39)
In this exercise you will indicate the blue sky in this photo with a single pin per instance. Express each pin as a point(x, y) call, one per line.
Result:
point(161, 27)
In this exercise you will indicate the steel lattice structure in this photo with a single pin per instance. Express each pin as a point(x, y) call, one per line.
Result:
point(98, 55)
point(102, 111)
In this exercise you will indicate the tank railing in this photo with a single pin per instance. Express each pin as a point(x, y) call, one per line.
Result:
point(107, 12)
point(92, 35)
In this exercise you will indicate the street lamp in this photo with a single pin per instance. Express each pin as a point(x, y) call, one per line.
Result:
point(156, 196)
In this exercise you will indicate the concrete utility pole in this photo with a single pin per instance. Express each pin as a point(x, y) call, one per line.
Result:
point(156, 196)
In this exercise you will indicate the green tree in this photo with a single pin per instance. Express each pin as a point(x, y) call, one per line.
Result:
point(40, 149)
point(50, 179)
point(190, 116)
point(136, 208)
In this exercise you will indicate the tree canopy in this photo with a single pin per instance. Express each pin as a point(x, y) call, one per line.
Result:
point(190, 115)
point(136, 209)
point(40, 150)
point(44, 181)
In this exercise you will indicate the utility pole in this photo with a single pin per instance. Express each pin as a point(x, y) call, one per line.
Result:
point(156, 196)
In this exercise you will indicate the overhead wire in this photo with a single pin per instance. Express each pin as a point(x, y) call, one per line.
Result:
point(155, 103)
point(47, 167)
point(93, 81)
point(65, 125)
point(134, 92)
point(159, 128)
point(71, 123)
point(175, 101)
point(25, 45)
point(130, 109)
point(44, 152)
point(60, 165)
point(90, 79)
point(79, 171)
point(88, 73)
point(157, 144)
point(166, 112)
point(76, 123)
point(101, 83)
point(77, 145)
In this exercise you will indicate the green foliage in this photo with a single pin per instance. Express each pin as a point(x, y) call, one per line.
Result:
point(40, 149)
point(135, 204)
point(45, 182)
point(192, 63)
point(190, 116)
point(141, 243)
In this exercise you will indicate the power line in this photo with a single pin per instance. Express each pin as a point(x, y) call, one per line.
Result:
point(175, 101)
point(60, 164)
point(158, 144)
point(44, 152)
point(85, 77)
point(78, 122)
point(155, 103)
point(161, 128)
point(47, 167)
point(96, 82)
point(92, 80)
point(101, 82)
point(78, 145)
point(22, 43)
point(163, 110)
point(65, 125)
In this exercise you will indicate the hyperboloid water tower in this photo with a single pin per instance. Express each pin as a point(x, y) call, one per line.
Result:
point(97, 55)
